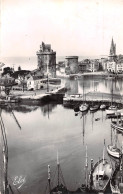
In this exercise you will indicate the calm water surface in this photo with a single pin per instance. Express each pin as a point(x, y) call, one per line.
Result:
point(47, 129)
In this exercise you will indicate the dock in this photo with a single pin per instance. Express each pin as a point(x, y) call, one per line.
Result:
point(46, 96)
point(95, 97)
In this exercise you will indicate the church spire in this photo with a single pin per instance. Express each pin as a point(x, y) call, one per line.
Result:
point(112, 48)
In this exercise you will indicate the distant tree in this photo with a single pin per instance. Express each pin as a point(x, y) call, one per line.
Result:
point(7, 70)
point(19, 68)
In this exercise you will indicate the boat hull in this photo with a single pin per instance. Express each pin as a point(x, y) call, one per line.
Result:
point(116, 181)
point(83, 107)
point(103, 107)
point(100, 181)
point(115, 152)
point(117, 127)
point(94, 108)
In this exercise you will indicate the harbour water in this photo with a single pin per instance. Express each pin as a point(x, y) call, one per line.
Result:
point(49, 128)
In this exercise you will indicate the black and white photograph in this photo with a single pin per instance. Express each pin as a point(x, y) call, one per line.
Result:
point(61, 97)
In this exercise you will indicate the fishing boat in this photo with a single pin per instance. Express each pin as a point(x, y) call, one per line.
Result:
point(116, 183)
point(112, 149)
point(112, 110)
point(102, 106)
point(94, 108)
point(84, 107)
point(118, 125)
point(101, 174)
point(60, 188)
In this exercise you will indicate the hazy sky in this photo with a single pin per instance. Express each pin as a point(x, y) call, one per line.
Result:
point(72, 27)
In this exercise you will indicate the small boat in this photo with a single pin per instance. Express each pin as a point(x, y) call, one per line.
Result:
point(84, 107)
point(116, 183)
point(101, 174)
point(94, 108)
point(112, 149)
point(118, 125)
point(97, 119)
point(102, 106)
point(112, 110)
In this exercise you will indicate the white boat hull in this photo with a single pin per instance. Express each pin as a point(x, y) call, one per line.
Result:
point(110, 112)
point(115, 152)
point(83, 107)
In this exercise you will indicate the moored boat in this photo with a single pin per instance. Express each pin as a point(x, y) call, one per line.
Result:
point(102, 106)
point(116, 183)
point(84, 107)
point(113, 149)
point(118, 125)
point(94, 108)
point(112, 110)
point(101, 174)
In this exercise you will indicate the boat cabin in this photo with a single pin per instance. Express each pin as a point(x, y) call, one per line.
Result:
point(100, 175)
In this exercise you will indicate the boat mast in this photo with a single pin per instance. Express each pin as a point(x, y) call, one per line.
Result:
point(49, 180)
point(5, 157)
point(47, 77)
point(122, 163)
point(86, 168)
point(83, 89)
point(115, 143)
point(58, 166)
point(112, 93)
point(104, 153)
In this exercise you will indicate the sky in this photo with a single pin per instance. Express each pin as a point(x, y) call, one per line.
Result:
point(72, 27)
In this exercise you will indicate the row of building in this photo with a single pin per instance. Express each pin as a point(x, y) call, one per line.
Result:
point(71, 65)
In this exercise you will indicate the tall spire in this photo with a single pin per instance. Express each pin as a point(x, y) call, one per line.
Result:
point(112, 48)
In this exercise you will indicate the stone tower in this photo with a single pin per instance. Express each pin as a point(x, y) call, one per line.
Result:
point(47, 60)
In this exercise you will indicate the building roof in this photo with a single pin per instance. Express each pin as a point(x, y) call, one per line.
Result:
point(35, 77)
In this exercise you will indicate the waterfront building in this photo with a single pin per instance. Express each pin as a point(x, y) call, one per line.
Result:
point(83, 65)
point(71, 65)
point(34, 83)
point(104, 63)
point(46, 60)
point(120, 65)
point(93, 65)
